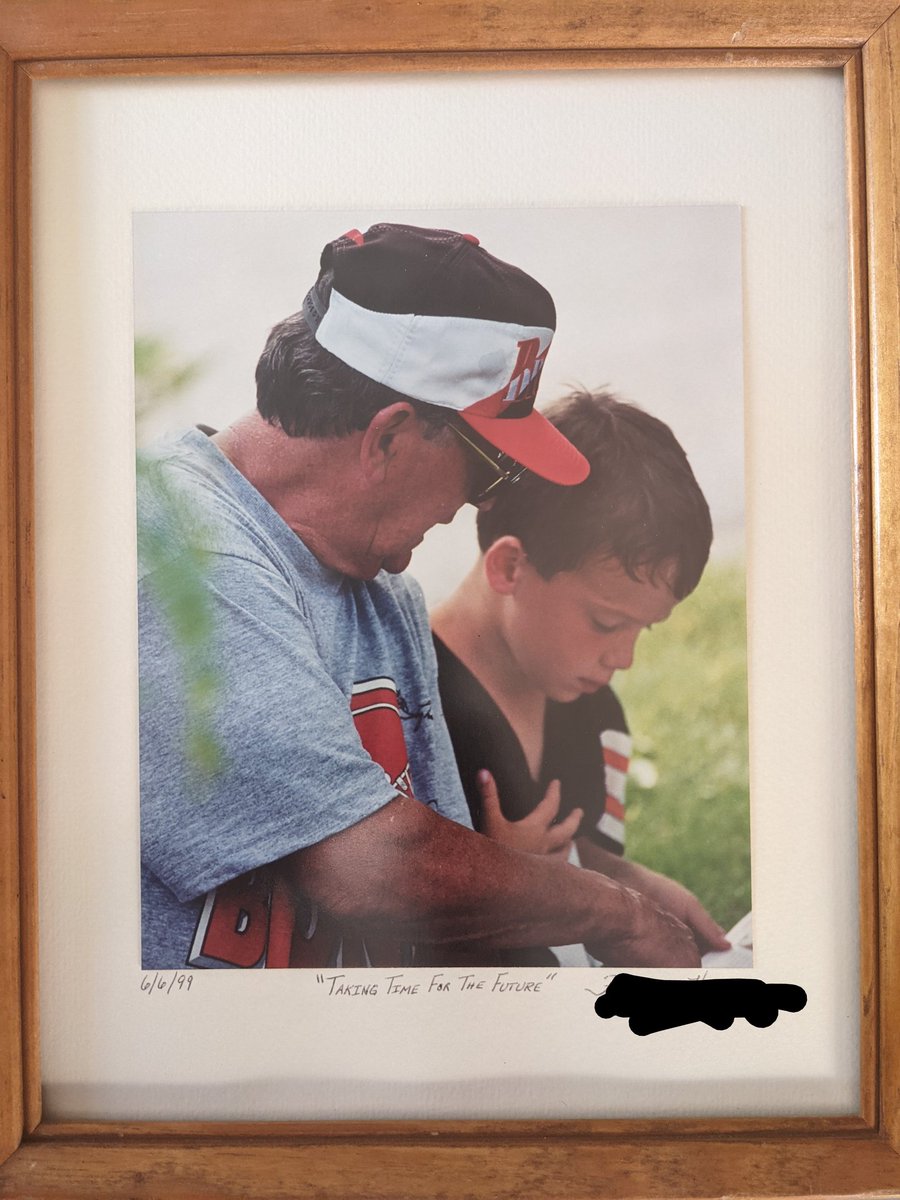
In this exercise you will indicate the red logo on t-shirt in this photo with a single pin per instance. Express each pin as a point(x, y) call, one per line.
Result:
point(257, 920)
point(376, 714)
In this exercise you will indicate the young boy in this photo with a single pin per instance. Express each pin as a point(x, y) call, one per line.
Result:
point(528, 643)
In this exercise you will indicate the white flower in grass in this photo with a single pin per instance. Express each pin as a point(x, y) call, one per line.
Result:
point(644, 773)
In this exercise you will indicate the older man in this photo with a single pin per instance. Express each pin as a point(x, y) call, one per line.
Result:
point(300, 801)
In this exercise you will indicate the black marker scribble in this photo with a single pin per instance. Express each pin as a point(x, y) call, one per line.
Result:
point(408, 713)
point(656, 1004)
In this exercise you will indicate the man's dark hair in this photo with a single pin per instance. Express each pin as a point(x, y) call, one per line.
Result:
point(308, 392)
point(640, 504)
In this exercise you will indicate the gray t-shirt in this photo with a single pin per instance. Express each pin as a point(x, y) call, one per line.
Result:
point(280, 703)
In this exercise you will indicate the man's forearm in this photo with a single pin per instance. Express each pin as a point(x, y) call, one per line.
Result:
point(595, 858)
point(427, 879)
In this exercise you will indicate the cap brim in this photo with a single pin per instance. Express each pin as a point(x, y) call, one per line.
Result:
point(535, 443)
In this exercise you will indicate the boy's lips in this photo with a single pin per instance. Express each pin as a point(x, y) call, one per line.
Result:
point(593, 685)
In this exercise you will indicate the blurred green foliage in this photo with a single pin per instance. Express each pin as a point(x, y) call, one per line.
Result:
point(179, 585)
point(159, 376)
point(685, 698)
point(178, 582)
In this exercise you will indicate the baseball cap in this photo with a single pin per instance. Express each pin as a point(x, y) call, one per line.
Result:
point(431, 315)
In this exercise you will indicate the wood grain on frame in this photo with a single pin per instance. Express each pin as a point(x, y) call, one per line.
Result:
point(881, 63)
point(426, 1165)
point(27, 748)
point(144, 28)
point(843, 1156)
point(10, 984)
point(867, 777)
point(455, 62)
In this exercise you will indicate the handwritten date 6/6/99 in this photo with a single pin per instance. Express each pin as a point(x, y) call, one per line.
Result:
point(166, 982)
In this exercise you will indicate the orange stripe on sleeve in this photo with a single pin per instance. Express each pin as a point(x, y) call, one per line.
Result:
point(612, 758)
point(615, 808)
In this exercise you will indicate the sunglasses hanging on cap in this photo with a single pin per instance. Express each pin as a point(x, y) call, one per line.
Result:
point(493, 470)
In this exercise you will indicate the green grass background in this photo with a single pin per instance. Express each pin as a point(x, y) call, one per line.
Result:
point(686, 702)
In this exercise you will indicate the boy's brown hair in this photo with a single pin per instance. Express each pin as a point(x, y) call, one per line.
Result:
point(640, 504)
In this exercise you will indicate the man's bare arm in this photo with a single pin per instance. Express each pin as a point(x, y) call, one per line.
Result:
point(410, 872)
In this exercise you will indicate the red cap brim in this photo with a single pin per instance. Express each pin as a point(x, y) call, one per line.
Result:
point(535, 443)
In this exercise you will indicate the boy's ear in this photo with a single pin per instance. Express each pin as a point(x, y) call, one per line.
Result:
point(380, 438)
point(503, 563)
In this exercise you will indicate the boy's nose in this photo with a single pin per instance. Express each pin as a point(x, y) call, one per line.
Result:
point(619, 655)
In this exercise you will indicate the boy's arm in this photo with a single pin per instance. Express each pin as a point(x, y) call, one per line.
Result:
point(667, 893)
point(410, 872)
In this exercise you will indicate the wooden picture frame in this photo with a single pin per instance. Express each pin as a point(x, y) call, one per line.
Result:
point(843, 1156)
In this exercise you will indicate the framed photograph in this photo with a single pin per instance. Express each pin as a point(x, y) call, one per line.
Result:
point(655, 304)
point(795, 1109)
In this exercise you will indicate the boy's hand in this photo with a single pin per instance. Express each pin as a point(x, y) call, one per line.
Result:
point(676, 899)
point(652, 937)
point(534, 834)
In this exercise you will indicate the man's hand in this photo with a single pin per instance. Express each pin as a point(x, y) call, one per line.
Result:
point(534, 834)
point(652, 938)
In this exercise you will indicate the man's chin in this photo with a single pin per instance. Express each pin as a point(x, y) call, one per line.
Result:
point(396, 564)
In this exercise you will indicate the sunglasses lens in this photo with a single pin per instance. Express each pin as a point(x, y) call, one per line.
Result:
point(483, 483)
point(489, 469)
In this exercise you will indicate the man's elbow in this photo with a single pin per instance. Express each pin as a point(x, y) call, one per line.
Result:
point(360, 872)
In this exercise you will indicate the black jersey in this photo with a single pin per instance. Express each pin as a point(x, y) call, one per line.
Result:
point(586, 747)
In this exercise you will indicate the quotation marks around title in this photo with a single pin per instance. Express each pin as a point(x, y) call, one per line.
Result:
point(652, 1005)
point(500, 983)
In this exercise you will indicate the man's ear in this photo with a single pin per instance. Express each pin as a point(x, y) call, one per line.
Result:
point(503, 564)
point(379, 441)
